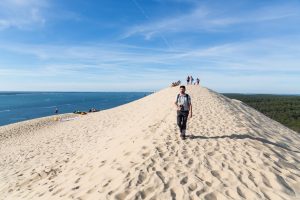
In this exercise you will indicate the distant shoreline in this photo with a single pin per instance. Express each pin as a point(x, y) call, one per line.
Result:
point(21, 106)
point(28, 92)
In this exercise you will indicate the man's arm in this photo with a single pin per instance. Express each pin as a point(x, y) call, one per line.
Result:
point(191, 110)
point(176, 103)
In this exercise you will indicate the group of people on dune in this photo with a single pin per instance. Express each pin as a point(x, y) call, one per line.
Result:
point(190, 81)
point(174, 84)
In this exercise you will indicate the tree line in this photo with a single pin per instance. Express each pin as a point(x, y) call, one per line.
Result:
point(282, 108)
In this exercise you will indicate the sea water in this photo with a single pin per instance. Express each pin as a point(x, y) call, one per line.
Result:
point(20, 106)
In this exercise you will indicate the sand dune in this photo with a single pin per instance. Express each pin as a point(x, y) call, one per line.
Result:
point(134, 152)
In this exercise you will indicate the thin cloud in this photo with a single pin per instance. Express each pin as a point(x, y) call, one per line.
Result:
point(207, 19)
point(131, 68)
point(273, 55)
point(22, 14)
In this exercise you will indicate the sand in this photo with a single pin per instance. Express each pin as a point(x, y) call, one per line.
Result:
point(134, 152)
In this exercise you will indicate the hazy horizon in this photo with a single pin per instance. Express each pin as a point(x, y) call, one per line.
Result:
point(142, 92)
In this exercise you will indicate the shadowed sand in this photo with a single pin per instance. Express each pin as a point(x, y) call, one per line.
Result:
point(134, 152)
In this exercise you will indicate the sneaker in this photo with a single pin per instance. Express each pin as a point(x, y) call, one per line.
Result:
point(182, 135)
point(183, 132)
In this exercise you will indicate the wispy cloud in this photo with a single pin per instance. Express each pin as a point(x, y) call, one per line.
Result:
point(271, 55)
point(22, 14)
point(209, 19)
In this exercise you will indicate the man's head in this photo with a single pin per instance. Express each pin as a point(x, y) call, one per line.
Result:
point(182, 89)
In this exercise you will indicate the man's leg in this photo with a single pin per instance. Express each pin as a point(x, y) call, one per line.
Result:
point(179, 120)
point(184, 121)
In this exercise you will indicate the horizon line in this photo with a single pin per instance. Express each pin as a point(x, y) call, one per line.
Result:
point(243, 93)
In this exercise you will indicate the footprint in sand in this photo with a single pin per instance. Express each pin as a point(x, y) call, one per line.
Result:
point(184, 180)
point(141, 177)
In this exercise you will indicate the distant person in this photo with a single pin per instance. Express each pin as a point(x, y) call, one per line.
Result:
point(192, 80)
point(198, 81)
point(188, 80)
point(184, 110)
point(56, 110)
point(93, 110)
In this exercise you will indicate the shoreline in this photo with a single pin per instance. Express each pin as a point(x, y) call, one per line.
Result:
point(49, 118)
point(35, 105)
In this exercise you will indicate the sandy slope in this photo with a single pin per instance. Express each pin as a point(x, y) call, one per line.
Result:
point(134, 152)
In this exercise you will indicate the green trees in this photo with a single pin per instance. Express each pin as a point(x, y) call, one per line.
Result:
point(282, 108)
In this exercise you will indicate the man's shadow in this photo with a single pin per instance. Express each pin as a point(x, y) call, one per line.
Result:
point(243, 136)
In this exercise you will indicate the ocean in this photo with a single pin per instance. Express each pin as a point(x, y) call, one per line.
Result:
point(20, 106)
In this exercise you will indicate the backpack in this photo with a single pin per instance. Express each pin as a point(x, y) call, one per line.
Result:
point(187, 96)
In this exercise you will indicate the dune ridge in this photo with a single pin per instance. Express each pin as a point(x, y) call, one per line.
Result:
point(134, 152)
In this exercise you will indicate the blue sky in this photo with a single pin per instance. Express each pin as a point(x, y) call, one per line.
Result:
point(250, 46)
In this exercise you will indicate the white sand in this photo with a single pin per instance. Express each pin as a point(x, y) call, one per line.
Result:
point(134, 152)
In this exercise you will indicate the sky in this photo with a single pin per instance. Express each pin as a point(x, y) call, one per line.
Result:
point(247, 46)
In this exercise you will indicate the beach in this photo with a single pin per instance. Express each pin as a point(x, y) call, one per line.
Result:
point(134, 151)
point(22, 106)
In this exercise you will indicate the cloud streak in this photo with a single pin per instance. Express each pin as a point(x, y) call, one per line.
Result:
point(272, 55)
point(22, 14)
point(209, 19)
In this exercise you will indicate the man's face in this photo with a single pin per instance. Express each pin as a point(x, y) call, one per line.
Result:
point(182, 90)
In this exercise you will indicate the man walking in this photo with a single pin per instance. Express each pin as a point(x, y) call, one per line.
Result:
point(184, 110)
